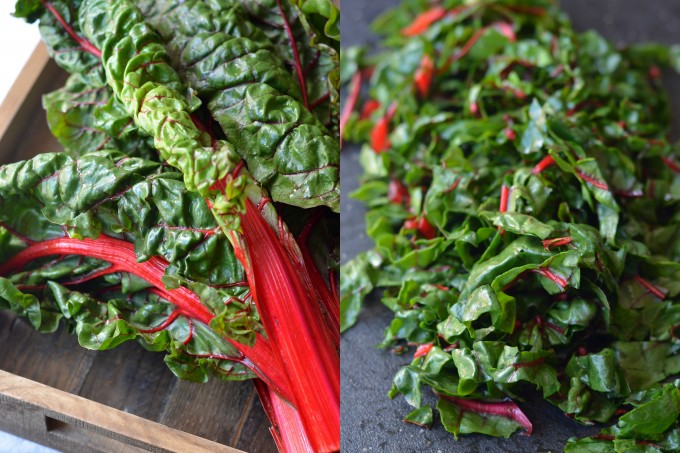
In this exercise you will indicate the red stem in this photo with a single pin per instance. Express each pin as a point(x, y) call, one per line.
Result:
point(296, 54)
point(531, 363)
point(556, 242)
point(169, 320)
point(422, 350)
point(354, 90)
point(505, 195)
point(259, 358)
point(397, 192)
point(505, 409)
point(380, 141)
point(286, 427)
point(545, 163)
point(82, 42)
point(464, 50)
point(294, 323)
point(595, 182)
point(423, 76)
point(670, 164)
point(370, 106)
point(651, 288)
point(320, 101)
point(550, 275)
point(331, 307)
point(423, 21)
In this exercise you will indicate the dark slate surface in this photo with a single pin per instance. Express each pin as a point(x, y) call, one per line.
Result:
point(370, 421)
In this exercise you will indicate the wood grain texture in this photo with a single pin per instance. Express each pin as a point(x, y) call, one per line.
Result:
point(128, 378)
point(83, 425)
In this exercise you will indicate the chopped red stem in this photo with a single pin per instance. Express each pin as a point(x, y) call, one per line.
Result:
point(423, 76)
point(554, 327)
point(511, 64)
point(651, 288)
point(505, 29)
point(506, 409)
point(654, 72)
point(550, 275)
point(465, 49)
point(82, 42)
point(578, 107)
point(670, 164)
point(505, 195)
point(354, 90)
point(556, 242)
point(531, 363)
point(423, 350)
point(296, 54)
point(379, 134)
point(423, 21)
point(454, 186)
point(397, 192)
point(370, 106)
point(421, 225)
point(595, 182)
point(545, 163)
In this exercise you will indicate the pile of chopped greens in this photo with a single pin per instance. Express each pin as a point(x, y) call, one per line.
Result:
point(524, 203)
point(195, 205)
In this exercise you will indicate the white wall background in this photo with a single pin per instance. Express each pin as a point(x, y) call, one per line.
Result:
point(17, 41)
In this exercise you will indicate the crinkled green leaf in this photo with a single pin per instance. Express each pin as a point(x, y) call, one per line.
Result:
point(260, 111)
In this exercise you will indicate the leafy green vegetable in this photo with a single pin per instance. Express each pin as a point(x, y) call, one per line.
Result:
point(183, 123)
point(521, 195)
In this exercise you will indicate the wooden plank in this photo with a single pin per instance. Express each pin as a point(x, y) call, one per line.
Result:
point(254, 435)
point(76, 424)
point(51, 359)
point(132, 379)
point(220, 422)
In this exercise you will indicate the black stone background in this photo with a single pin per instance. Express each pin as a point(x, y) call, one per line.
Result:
point(370, 421)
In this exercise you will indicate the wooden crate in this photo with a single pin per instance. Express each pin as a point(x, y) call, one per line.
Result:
point(56, 393)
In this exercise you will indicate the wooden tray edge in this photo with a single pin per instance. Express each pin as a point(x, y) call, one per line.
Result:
point(61, 420)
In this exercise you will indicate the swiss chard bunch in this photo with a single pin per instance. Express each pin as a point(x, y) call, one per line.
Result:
point(195, 205)
point(523, 200)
